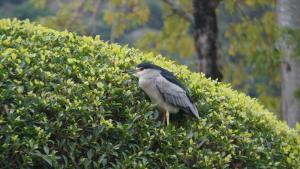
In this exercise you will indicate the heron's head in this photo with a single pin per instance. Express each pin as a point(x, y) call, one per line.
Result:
point(147, 70)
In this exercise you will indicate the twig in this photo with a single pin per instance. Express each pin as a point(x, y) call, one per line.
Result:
point(77, 13)
point(94, 15)
point(179, 11)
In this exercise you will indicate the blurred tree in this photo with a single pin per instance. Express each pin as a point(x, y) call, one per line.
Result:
point(252, 58)
point(204, 21)
point(206, 35)
point(11, 1)
point(111, 19)
point(21, 9)
point(289, 19)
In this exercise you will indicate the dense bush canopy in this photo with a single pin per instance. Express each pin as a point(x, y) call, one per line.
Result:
point(66, 102)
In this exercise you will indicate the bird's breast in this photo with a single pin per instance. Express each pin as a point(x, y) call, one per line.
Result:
point(149, 87)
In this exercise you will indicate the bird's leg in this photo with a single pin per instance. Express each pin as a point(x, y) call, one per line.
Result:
point(167, 117)
point(163, 118)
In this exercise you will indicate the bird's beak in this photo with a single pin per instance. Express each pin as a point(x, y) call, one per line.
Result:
point(131, 71)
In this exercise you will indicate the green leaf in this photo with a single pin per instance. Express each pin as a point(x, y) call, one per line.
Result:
point(27, 59)
point(46, 149)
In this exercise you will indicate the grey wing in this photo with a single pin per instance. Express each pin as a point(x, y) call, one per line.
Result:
point(175, 95)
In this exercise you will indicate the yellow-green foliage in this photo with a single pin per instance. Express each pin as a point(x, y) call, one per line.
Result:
point(65, 102)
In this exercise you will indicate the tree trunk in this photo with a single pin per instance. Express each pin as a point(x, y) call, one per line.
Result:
point(289, 17)
point(206, 35)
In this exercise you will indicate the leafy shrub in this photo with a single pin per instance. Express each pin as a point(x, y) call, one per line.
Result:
point(66, 102)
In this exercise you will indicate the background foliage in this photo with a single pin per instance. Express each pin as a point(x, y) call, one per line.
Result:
point(66, 103)
point(253, 54)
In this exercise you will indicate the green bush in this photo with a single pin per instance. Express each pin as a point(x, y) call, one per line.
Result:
point(66, 103)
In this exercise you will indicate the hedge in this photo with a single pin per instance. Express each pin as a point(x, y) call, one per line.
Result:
point(66, 102)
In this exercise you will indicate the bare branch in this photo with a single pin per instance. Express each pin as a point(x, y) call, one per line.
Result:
point(77, 13)
point(179, 11)
point(93, 18)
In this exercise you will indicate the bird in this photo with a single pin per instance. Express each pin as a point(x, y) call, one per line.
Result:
point(165, 90)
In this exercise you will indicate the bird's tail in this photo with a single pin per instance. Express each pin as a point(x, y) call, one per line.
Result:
point(194, 110)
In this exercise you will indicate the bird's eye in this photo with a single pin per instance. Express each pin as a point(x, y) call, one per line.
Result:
point(141, 69)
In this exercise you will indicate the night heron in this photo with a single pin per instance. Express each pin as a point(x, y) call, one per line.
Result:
point(165, 90)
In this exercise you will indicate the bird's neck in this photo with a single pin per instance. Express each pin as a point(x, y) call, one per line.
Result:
point(147, 78)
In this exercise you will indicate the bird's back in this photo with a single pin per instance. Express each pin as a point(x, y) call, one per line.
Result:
point(175, 95)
